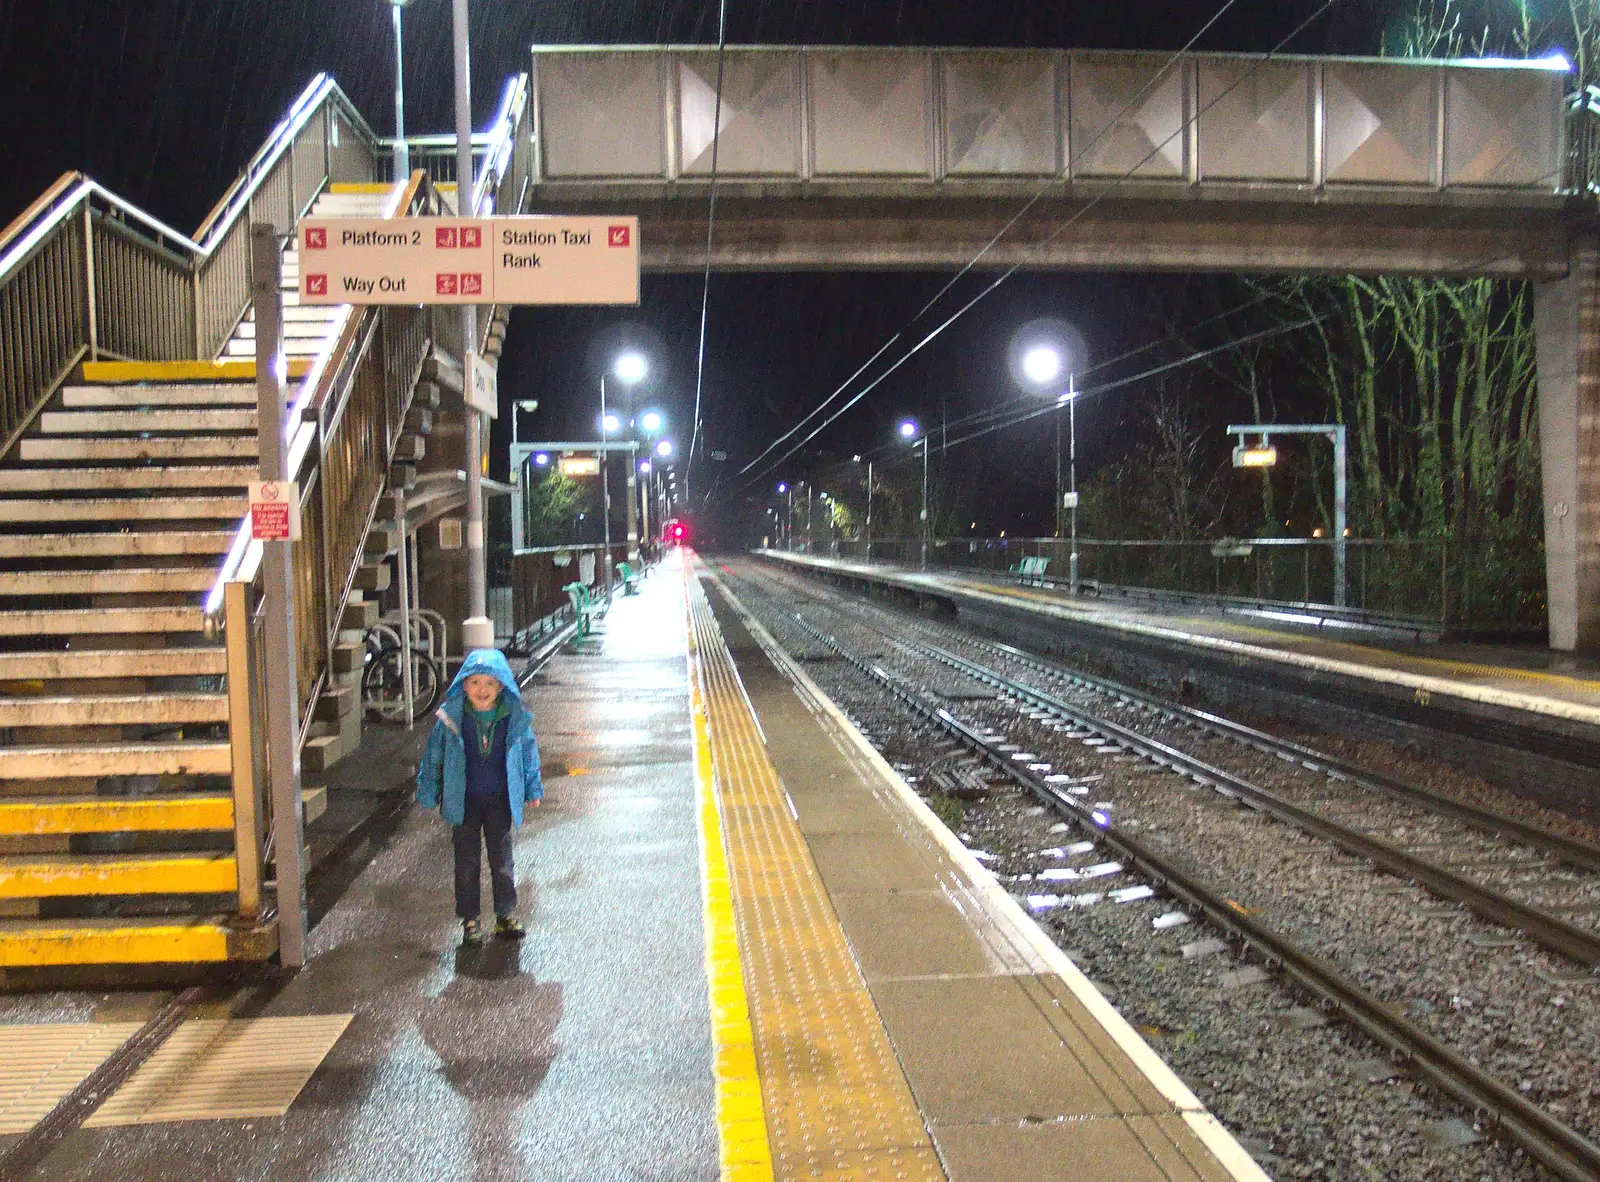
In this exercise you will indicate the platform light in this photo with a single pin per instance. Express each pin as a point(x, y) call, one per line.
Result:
point(651, 421)
point(1041, 364)
point(630, 367)
point(644, 467)
point(1264, 456)
point(783, 488)
point(908, 429)
point(664, 448)
point(542, 459)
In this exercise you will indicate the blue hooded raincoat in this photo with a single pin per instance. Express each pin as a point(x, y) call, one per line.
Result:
point(442, 777)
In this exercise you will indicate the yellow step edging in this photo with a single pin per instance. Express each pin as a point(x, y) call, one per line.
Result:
point(60, 875)
point(109, 814)
point(46, 943)
point(120, 372)
point(361, 187)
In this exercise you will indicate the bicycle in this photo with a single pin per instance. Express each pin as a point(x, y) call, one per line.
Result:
point(383, 677)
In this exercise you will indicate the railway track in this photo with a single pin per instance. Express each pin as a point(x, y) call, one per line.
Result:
point(1549, 1140)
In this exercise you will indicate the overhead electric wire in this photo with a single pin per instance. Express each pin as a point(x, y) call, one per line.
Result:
point(1015, 267)
point(1039, 193)
point(711, 224)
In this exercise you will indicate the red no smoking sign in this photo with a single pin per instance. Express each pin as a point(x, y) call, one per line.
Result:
point(274, 511)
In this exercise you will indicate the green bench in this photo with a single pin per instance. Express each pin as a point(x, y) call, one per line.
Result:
point(629, 574)
point(583, 605)
point(1031, 570)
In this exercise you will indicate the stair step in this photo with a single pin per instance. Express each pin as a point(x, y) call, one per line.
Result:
point(176, 447)
point(114, 662)
point(297, 328)
point(126, 581)
point(115, 544)
point(196, 394)
point(165, 373)
point(100, 620)
point(124, 508)
point(116, 759)
point(45, 876)
point(164, 812)
point(28, 480)
point(114, 710)
point(324, 314)
point(165, 421)
point(292, 347)
point(146, 940)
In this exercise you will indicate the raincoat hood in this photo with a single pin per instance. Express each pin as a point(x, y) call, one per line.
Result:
point(484, 660)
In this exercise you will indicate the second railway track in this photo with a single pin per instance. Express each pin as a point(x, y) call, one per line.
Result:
point(1041, 717)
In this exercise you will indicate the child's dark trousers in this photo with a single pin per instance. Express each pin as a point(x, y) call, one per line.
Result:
point(489, 816)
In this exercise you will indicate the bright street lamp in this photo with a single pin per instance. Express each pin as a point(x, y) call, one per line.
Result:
point(1041, 364)
point(651, 421)
point(526, 405)
point(908, 432)
point(630, 368)
point(610, 423)
point(664, 448)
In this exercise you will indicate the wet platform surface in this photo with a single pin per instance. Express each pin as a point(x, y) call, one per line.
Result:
point(1556, 684)
point(583, 1052)
point(752, 954)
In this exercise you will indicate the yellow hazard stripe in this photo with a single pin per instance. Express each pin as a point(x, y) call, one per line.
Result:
point(361, 187)
point(182, 941)
point(741, 1116)
point(112, 815)
point(44, 876)
point(182, 371)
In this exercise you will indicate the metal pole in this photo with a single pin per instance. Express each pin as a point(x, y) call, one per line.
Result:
point(402, 153)
point(406, 685)
point(1072, 470)
point(283, 703)
point(869, 510)
point(924, 502)
point(605, 489)
point(1057, 530)
point(633, 501)
point(1340, 495)
point(477, 566)
point(644, 507)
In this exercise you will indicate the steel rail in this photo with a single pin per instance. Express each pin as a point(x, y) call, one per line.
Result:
point(1556, 1145)
point(1547, 930)
point(1571, 850)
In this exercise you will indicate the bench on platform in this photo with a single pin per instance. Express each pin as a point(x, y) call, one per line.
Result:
point(1031, 570)
point(629, 574)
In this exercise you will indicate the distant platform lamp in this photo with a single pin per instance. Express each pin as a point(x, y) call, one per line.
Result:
point(1264, 455)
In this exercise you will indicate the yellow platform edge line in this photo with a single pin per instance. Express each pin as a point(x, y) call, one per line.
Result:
point(745, 1147)
point(361, 187)
point(182, 371)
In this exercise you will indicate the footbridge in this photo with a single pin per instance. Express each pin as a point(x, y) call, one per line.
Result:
point(136, 821)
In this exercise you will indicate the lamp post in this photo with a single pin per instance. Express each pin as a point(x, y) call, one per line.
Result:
point(788, 517)
point(908, 432)
point(649, 424)
point(1040, 352)
point(869, 508)
point(526, 406)
point(402, 153)
point(628, 369)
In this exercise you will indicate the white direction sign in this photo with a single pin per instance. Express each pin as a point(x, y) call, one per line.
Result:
point(502, 260)
point(483, 388)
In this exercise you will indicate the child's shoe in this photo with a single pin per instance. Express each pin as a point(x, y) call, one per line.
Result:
point(508, 928)
point(471, 933)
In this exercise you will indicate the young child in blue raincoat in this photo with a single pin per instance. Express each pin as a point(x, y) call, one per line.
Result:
point(480, 767)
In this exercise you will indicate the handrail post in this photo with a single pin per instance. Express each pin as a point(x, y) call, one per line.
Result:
point(283, 711)
point(247, 835)
point(93, 324)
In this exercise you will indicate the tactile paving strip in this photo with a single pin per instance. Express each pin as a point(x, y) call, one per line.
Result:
point(208, 1069)
point(836, 1100)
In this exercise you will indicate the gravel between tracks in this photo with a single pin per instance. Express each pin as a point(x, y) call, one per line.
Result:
point(1299, 1091)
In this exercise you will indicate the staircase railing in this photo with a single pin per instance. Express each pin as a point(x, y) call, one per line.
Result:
point(86, 275)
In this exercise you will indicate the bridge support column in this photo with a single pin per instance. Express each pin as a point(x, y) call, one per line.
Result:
point(1567, 324)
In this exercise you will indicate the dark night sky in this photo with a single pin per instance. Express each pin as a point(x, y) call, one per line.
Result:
point(164, 100)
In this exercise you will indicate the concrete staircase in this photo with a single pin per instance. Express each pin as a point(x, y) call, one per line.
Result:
point(116, 510)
